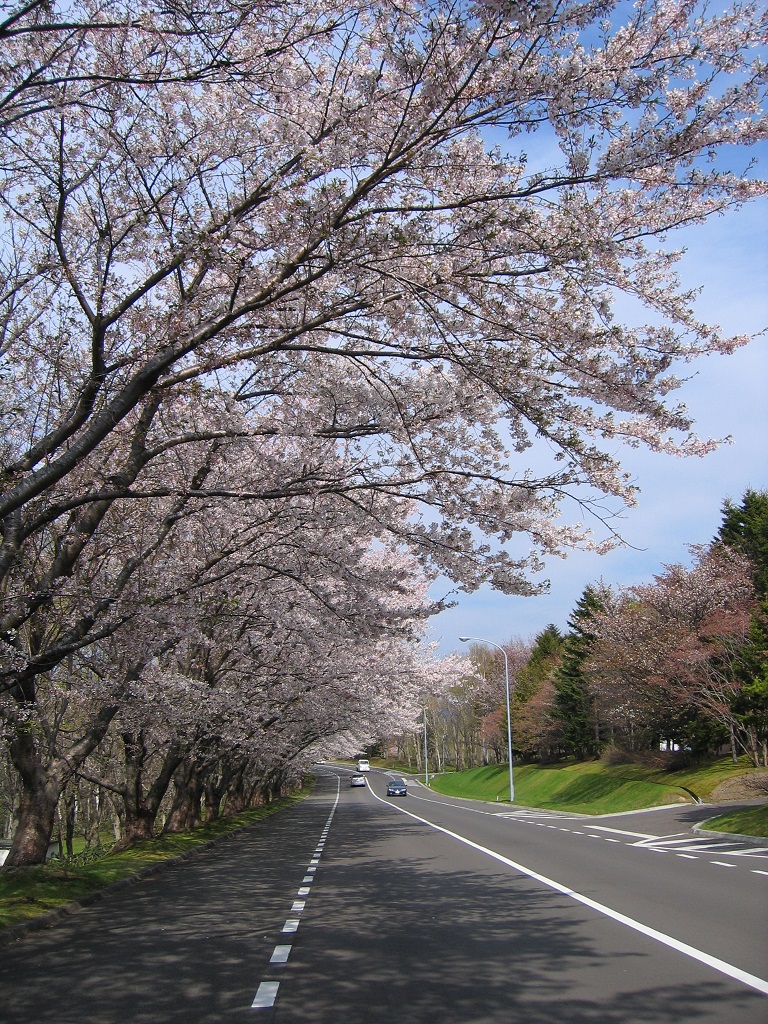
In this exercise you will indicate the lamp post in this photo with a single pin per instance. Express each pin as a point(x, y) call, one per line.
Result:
point(480, 640)
point(426, 763)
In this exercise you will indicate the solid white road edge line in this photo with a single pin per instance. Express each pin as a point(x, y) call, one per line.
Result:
point(760, 984)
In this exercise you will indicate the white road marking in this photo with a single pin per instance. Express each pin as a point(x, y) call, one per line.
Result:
point(722, 864)
point(303, 891)
point(308, 878)
point(694, 843)
point(622, 832)
point(730, 970)
point(687, 856)
point(298, 906)
point(266, 995)
point(757, 871)
point(291, 925)
point(280, 955)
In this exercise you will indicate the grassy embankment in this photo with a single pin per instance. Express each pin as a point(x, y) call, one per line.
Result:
point(26, 893)
point(596, 788)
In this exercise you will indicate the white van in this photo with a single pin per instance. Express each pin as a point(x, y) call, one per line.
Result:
point(363, 765)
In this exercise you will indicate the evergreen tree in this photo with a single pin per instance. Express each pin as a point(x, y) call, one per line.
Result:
point(745, 529)
point(574, 705)
point(535, 740)
point(547, 649)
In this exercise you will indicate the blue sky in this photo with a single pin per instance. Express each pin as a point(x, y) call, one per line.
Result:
point(680, 500)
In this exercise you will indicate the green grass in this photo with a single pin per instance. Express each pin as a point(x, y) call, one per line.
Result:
point(589, 787)
point(750, 821)
point(26, 893)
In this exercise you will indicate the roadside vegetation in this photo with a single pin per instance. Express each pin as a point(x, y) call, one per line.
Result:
point(650, 685)
point(594, 787)
point(29, 892)
point(746, 821)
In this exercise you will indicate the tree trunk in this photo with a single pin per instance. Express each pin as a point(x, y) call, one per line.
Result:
point(185, 810)
point(69, 804)
point(40, 793)
point(141, 808)
point(235, 799)
point(42, 785)
point(215, 787)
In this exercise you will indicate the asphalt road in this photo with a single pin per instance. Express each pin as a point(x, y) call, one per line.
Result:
point(351, 908)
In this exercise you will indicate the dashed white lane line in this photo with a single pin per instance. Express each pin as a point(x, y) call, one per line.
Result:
point(757, 871)
point(668, 844)
point(280, 954)
point(265, 995)
point(730, 970)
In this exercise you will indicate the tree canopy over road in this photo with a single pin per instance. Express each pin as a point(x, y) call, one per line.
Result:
point(286, 304)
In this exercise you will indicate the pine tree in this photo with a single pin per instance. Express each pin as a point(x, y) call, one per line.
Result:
point(574, 705)
point(745, 529)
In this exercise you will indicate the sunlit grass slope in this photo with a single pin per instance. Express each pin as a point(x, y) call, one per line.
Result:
point(749, 821)
point(590, 787)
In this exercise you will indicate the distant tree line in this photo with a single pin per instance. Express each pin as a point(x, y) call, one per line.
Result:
point(679, 664)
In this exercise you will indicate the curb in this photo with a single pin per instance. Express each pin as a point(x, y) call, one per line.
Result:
point(752, 840)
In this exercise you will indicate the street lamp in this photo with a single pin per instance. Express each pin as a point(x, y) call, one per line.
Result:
point(426, 762)
point(479, 640)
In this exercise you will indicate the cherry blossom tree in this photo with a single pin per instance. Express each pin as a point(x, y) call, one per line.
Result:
point(334, 226)
point(255, 627)
point(678, 643)
point(297, 258)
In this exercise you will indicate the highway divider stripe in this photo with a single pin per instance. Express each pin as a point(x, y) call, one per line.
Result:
point(266, 994)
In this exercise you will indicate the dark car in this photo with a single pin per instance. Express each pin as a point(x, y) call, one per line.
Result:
point(397, 787)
